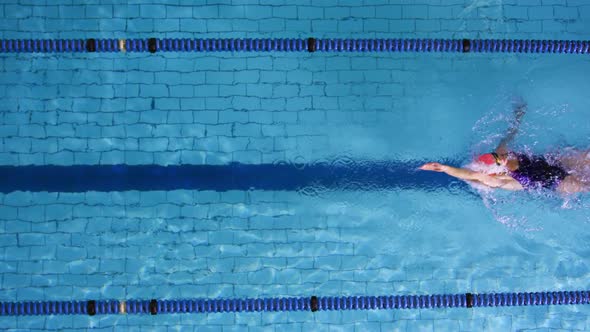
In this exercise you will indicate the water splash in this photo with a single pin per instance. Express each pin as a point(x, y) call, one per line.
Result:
point(539, 133)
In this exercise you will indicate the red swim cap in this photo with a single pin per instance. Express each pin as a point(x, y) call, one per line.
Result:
point(487, 159)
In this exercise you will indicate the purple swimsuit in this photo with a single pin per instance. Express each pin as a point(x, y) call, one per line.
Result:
point(535, 172)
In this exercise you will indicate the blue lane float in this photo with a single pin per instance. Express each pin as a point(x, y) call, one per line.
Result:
point(345, 176)
point(310, 304)
point(153, 45)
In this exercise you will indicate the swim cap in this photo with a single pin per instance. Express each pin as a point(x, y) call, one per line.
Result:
point(488, 159)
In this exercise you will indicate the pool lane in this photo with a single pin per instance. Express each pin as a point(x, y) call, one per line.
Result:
point(365, 175)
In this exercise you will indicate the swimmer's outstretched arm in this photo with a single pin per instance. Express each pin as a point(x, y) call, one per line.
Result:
point(460, 173)
point(504, 182)
point(519, 111)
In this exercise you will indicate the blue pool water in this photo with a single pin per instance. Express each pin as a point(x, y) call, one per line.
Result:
point(295, 171)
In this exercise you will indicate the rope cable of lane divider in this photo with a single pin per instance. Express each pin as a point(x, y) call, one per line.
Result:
point(154, 45)
point(312, 303)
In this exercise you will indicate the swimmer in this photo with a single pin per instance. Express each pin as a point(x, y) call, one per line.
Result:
point(509, 170)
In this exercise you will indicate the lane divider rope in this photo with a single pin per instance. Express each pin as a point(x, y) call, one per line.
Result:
point(154, 45)
point(312, 304)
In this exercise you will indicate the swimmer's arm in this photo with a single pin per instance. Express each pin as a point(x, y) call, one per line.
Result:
point(461, 173)
point(519, 112)
point(504, 182)
point(502, 148)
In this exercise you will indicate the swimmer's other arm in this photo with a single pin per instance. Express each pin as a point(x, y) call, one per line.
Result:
point(500, 181)
point(519, 112)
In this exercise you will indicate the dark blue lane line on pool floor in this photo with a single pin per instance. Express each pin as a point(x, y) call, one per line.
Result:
point(367, 176)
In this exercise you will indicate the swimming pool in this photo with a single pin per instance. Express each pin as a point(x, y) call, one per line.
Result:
point(360, 222)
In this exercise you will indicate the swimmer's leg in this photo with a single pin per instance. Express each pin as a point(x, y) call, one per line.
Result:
point(576, 162)
point(572, 185)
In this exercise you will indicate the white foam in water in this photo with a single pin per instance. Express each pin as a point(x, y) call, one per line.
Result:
point(486, 169)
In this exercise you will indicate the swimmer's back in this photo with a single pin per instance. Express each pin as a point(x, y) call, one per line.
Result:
point(537, 172)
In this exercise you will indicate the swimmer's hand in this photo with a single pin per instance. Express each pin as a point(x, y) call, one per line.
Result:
point(436, 167)
point(519, 110)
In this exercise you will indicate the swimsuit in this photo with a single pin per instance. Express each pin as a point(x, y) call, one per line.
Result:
point(535, 172)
